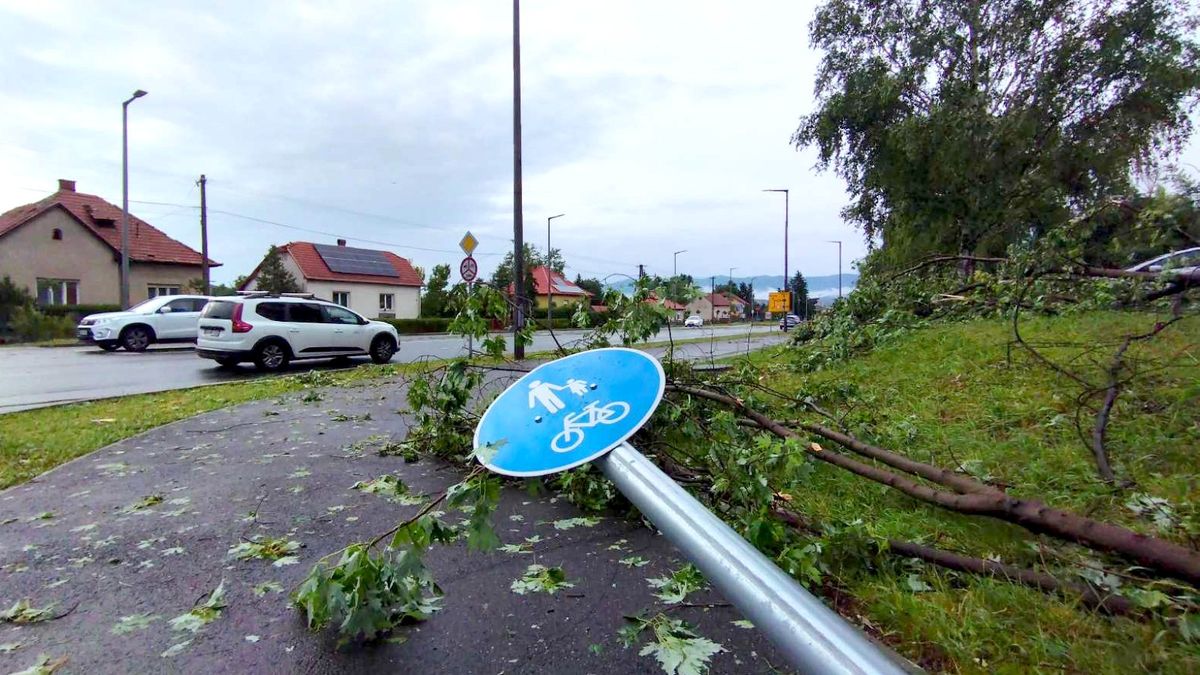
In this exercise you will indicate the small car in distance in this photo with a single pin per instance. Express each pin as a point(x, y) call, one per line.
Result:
point(166, 318)
point(788, 322)
point(693, 321)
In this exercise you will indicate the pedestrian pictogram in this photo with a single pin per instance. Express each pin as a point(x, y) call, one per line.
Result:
point(468, 243)
point(569, 412)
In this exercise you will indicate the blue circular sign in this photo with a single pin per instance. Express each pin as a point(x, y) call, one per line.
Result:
point(569, 412)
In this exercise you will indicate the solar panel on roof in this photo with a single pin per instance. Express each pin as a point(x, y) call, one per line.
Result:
point(347, 260)
point(566, 288)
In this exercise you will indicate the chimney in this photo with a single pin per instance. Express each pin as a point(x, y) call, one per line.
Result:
point(65, 185)
point(341, 242)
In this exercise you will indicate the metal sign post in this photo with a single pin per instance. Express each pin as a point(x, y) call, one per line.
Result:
point(469, 269)
point(584, 408)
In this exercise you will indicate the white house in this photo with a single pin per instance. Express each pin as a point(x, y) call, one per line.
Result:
point(376, 284)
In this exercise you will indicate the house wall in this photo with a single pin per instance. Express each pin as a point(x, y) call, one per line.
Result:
point(144, 275)
point(560, 300)
point(364, 298)
point(704, 308)
point(30, 252)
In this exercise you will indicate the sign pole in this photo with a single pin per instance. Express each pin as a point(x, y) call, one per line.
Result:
point(814, 638)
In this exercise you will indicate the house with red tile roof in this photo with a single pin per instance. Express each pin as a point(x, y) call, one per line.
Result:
point(676, 310)
point(376, 284)
point(713, 307)
point(66, 249)
point(549, 282)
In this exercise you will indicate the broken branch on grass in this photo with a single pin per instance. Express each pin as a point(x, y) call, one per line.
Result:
point(1151, 552)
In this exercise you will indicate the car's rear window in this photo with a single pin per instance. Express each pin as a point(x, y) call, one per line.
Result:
point(270, 310)
point(218, 309)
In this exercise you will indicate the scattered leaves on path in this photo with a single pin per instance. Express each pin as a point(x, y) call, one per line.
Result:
point(677, 647)
point(24, 612)
point(264, 548)
point(267, 587)
point(134, 622)
point(572, 523)
point(44, 665)
point(391, 488)
point(541, 579)
point(674, 589)
point(199, 616)
point(634, 561)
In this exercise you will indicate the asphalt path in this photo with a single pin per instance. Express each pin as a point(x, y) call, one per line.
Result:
point(34, 377)
point(123, 540)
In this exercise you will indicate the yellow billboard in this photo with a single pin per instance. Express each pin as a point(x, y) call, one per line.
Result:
point(779, 302)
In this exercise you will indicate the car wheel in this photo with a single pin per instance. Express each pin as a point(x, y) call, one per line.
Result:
point(382, 349)
point(108, 346)
point(135, 338)
point(271, 357)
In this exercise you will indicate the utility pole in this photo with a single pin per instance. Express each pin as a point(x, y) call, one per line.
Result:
point(204, 234)
point(549, 279)
point(518, 235)
point(676, 269)
point(712, 299)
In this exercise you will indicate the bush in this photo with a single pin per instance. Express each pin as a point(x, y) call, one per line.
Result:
point(77, 312)
point(30, 325)
point(414, 326)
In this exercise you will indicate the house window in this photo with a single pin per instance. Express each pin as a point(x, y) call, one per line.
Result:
point(161, 289)
point(58, 291)
point(385, 302)
point(57, 234)
point(341, 298)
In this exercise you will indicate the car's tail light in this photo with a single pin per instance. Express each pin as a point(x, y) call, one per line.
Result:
point(239, 326)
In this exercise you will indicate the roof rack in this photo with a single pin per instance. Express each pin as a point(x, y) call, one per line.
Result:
point(253, 294)
point(309, 296)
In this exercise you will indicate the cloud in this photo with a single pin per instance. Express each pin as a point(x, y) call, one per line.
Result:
point(653, 126)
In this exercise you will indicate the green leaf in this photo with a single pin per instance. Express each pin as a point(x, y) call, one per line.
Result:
point(43, 666)
point(678, 649)
point(541, 579)
point(134, 622)
point(267, 587)
point(22, 611)
point(673, 589)
point(264, 548)
point(572, 523)
point(201, 615)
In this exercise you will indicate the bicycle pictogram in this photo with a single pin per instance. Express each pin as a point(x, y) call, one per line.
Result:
point(591, 415)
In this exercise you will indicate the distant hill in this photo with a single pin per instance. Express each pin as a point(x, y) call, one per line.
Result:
point(818, 286)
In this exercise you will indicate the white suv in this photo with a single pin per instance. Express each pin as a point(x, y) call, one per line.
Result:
point(167, 318)
point(271, 330)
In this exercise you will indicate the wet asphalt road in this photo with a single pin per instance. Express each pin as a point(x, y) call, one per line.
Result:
point(34, 377)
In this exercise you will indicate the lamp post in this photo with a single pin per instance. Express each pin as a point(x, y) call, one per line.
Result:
point(125, 197)
point(731, 269)
point(549, 279)
point(834, 241)
point(786, 211)
point(676, 267)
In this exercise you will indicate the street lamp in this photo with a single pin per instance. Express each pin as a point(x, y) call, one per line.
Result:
point(549, 280)
point(731, 269)
point(125, 197)
point(834, 241)
point(786, 210)
point(676, 268)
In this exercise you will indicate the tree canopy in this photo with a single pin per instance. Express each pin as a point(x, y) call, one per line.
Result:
point(961, 127)
point(436, 300)
point(273, 277)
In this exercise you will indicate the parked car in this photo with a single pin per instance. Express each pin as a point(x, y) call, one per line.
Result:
point(693, 321)
point(167, 318)
point(1185, 261)
point(788, 322)
point(271, 330)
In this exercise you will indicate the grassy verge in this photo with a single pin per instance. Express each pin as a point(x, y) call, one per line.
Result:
point(957, 396)
point(34, 441)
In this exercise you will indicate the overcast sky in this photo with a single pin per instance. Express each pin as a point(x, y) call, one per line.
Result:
point(653, 126)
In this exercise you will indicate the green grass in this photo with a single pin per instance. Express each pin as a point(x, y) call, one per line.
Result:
point(954, 395)
point(35, 441)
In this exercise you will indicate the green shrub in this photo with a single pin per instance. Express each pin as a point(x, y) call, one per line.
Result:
point(30, 325)
point(12, 296)
point(413, 326)
point(77, 312)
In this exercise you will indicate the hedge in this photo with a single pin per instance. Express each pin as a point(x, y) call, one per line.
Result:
point(413, 326)
point(77, 312)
